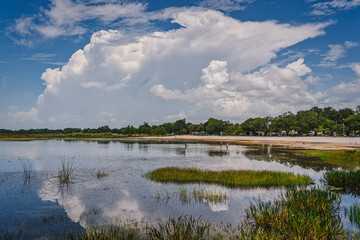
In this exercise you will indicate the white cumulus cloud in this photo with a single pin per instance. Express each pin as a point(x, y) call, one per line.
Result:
point(271, 90)
point(207, 62)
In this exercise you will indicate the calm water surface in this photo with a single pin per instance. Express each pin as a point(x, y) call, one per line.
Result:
point(40, 205)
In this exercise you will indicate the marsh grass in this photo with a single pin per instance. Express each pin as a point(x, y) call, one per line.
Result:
point(101, 174)
point(185, 196)
point(26, 166)
point(7, 236)
point(346, 157)
point(349, 180)
point(202, 194)
point(297, 214)
point(353, 214)
point(124, 232)
point(230, 178)
point(182, 228)
point(163, 195)
point(67, 170)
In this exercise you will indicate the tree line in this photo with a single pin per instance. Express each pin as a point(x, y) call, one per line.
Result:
point(316, 120)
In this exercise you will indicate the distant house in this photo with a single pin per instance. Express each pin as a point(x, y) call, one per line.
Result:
point(274, 133)
point(293, 133)
point(283, 133)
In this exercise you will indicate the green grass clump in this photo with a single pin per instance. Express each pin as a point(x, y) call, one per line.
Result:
point(101, 174)
point(183, 228)
point(347, 157)
point(111, 232)
point(348, 180)
point(67, 170)
point(297, 214)
point(230, 178)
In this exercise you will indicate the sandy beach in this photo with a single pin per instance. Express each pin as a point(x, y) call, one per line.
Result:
point(320, 143)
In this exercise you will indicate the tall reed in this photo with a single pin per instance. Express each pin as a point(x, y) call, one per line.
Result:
point(67, 170)
point(26, 169)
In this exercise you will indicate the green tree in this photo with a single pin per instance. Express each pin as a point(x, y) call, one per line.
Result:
point(230, 129)
point(239, 130)
point(159, 131)
point(129, 130)
point(352, 123)
point(307, 120)
point(179, 125)
point(215, 126)
point(144, 129)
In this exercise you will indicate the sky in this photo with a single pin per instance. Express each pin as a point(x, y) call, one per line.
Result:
point(89, 63)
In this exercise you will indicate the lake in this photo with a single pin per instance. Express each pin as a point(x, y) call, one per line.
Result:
point(40, 205)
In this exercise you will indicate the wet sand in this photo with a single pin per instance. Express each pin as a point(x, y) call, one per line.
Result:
point(308, 142)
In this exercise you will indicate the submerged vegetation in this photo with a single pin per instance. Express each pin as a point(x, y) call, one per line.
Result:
point(209, 195)
point(67, 170)
point(101, 174)
point(185, 195)
point(353, 214)
point(348, 180)
point(347, 157)
point(230, 178)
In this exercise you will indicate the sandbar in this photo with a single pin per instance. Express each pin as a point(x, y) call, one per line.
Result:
point(306, 142)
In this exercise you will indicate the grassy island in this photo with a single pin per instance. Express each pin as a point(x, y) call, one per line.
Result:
point(230, 178)
point(347, 157)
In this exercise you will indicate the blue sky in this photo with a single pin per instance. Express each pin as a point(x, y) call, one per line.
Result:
point(86, 63)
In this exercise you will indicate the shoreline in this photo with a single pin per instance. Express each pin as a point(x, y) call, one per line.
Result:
point(313, 142)
point(296, 142)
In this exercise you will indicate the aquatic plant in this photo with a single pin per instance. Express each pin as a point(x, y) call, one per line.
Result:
point(67, 170)
point(297, 214)
point(348, 180)
point(163, 195)
point(353, 214)
point(346, 157)
point(183, 228)
point(185, 196)
point(209, 195)
point(231, 178)
point(124, 232)
point(7, 235)
point(26, 169)
point(101, 174)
